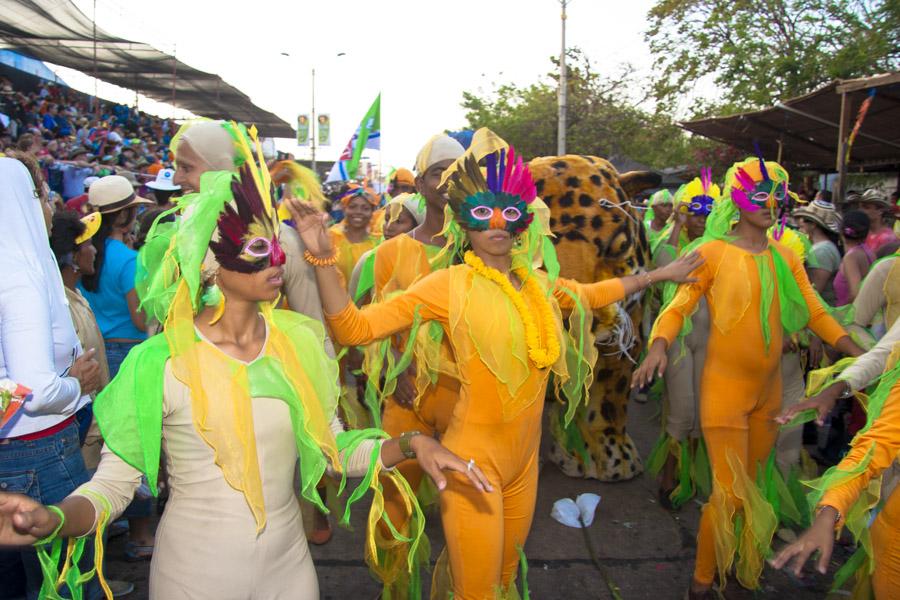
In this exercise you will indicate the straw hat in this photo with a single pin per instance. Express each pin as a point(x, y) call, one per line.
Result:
point(113, 193)
point(821, 213)
point(873, 196)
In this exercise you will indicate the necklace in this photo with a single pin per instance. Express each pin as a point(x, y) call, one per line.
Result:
point(542, 357)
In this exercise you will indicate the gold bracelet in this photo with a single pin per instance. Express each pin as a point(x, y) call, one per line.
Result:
point(649, 279)
point(320, 262)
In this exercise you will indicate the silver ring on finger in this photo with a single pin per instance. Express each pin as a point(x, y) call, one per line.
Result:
point(471, 465)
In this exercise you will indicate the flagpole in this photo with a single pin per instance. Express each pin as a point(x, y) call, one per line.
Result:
point(380, 149)
point(313, 123)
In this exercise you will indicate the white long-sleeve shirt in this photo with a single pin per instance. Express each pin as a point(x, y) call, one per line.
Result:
point(873, 297)
point(871, 364)
point(38, 343)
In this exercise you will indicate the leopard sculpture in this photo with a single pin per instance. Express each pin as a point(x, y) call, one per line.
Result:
point(598, 235)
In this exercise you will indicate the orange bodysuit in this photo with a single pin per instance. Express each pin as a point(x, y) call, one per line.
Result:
point(497, 427)
point(883, 440)
point(740, 394)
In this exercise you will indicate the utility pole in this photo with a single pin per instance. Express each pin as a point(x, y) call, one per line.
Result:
point(314, 124)
point(563, 87)
point(94, 102)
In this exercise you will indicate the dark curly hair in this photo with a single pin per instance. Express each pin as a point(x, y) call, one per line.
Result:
point(66, 229)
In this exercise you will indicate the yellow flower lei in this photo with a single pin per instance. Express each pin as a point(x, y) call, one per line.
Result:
point(541, 357)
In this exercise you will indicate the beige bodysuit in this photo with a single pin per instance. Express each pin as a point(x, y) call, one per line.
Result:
point(206, 545)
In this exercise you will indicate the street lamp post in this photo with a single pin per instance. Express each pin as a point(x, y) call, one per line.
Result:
point(313, 127)
point(563, 87)
point(314, 123)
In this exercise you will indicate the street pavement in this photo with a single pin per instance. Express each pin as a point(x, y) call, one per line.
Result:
point(644, 550)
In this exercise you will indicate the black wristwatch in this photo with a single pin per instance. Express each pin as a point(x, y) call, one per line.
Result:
point(405, 443)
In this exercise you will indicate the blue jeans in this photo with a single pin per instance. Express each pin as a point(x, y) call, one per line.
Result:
point(47, 470)
point(115, 354)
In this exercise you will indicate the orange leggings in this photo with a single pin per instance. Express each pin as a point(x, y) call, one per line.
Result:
point(735, 416)
point(430, 419)
point(485, 530)
point(885, 533)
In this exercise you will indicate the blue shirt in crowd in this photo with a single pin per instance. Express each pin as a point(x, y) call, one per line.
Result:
point(73, 180)
point(108, 302)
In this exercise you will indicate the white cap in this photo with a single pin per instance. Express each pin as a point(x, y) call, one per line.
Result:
point(164, 181)
point(89, 180)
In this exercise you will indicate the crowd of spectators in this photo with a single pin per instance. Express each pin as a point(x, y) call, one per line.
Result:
point(76, 137)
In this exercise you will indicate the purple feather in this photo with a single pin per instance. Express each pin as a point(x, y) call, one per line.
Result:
point(762, 162)
point(491, 168)
point(501, 170)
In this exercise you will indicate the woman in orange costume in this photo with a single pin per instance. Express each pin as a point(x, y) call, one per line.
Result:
point(756, 290)
point(506, 335)
point(352, 236)
point(845, 497)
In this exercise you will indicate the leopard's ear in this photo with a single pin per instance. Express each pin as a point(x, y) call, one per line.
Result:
point(634, 182)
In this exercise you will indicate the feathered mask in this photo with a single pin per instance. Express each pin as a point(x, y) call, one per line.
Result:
point(498, 198)
point(246, 237)
point(755, 184)
point(699, 195)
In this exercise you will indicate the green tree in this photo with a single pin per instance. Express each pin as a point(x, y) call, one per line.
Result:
point(760, 51)
point(603, 117)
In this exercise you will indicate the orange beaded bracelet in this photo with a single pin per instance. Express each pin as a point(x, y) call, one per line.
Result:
point(320, 262)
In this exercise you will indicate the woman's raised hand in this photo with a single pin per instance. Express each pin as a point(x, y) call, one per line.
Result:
point(310, 223)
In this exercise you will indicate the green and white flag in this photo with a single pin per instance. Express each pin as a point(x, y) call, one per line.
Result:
point(367, 135)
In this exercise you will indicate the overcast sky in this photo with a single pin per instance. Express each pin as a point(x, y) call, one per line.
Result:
point(421, 55)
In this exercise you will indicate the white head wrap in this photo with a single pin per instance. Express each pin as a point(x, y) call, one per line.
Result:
point(411, 202)
point(439, 147)
point(212, 143)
